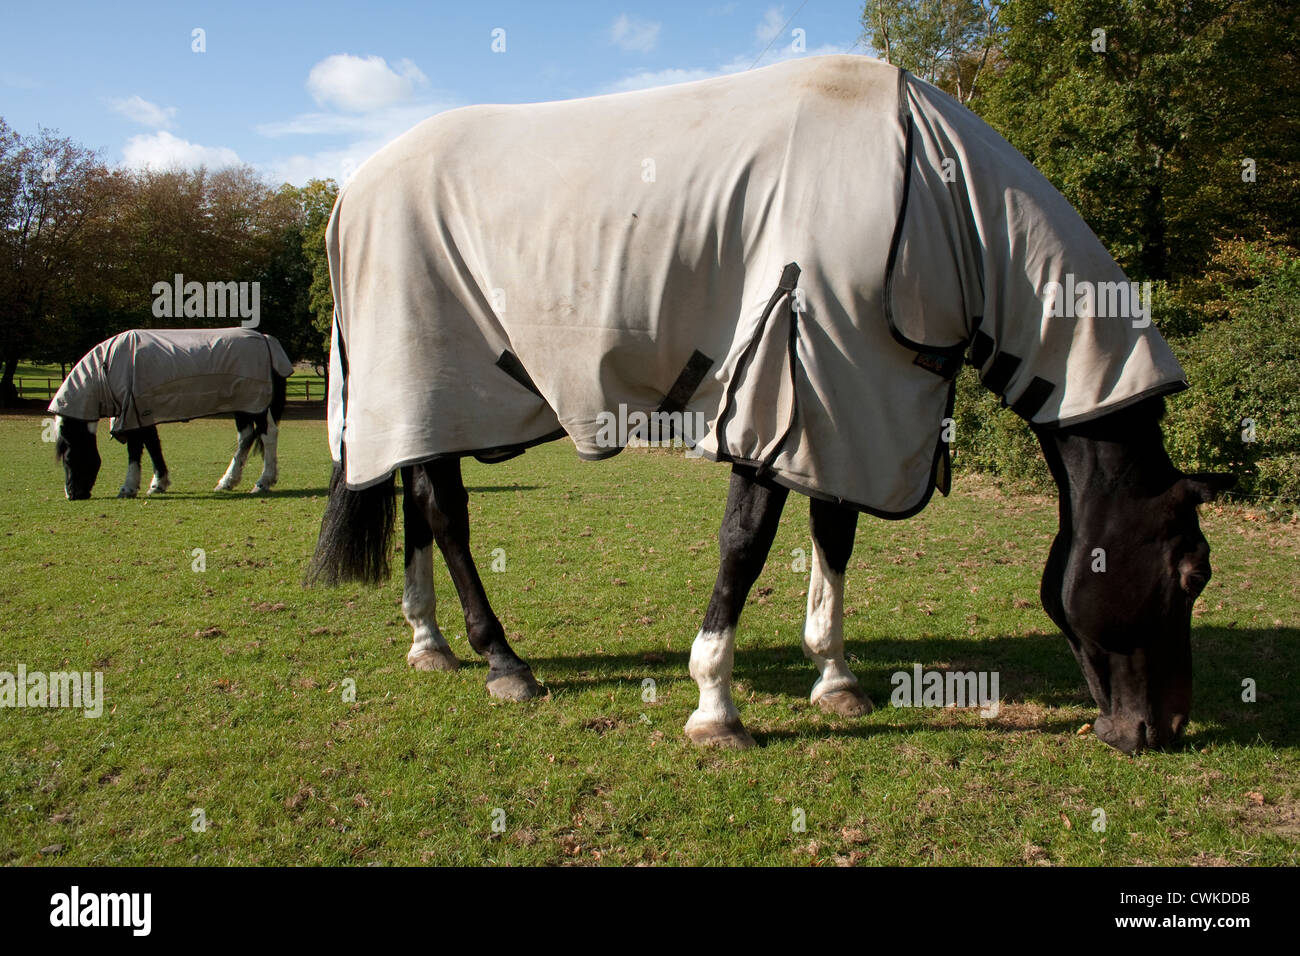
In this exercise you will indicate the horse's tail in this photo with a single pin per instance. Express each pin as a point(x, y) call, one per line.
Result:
point(356, 533)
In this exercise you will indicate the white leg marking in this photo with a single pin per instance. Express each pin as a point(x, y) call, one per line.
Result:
point(131, 483)
point(419, 605)
point(236, 469)
point(823, 631)
point(270, 461)
point(160, 483)
point(712, 656)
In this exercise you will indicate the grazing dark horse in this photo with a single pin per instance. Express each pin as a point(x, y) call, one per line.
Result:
point(628, 279)
point(146, 377)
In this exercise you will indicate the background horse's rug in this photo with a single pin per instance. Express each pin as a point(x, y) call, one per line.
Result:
point(152, 376)
point(503, 275)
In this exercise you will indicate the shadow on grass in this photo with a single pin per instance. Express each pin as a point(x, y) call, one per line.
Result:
point(1032, 669)
point(240, 494)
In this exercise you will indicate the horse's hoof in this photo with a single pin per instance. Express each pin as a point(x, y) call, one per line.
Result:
point(849, 702)
point(519, 685)
point(258, 489)
point(729, 736)
point(126, 493)
point(158, 488)
point(433, 659)
point(223, 486)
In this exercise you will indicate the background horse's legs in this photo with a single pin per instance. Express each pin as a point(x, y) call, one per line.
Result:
point(161, 479)
point(270, 462)
point(429, 649)
point(268, 425)
point(748, 527)
point(134, 449)
point(247, 435)
point(836, 690)
point(440, 494)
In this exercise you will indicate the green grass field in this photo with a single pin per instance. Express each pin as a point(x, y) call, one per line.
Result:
point(225, 689)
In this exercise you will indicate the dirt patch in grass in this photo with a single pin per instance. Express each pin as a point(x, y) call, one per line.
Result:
point(1280, 817)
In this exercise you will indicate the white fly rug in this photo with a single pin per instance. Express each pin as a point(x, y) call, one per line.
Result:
point(796, 257)
point(151, 376)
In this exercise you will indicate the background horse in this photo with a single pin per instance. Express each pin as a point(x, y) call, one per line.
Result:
point(581, 296)
point(146, 377)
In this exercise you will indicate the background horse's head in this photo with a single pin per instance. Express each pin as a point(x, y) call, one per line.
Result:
point(1128, 562)
point(76, 448)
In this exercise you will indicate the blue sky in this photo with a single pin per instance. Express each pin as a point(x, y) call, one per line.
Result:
point(312, 90)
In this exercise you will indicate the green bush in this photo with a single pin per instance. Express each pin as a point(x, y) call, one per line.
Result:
point(1245, 370)
point(994, 440)
point(1236, 331)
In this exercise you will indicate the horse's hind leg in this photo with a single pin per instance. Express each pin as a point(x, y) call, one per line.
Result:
point(439, 493)
point(247, 436)
point(429, 649)
point(134, 450)
point(836, 690)
point(269, 427)
point(161, 478)
point(748, 527)
point(270, 460)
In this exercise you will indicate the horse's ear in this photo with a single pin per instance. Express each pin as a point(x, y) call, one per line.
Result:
point(1205, 487)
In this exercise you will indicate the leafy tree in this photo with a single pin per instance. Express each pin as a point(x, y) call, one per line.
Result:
point(946, 42)
point(317, 199)
point(1143, 112)
point(48, 195)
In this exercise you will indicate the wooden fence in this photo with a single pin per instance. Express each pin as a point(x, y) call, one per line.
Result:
point(296, 389)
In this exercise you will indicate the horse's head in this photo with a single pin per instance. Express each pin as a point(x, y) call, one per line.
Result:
point(76, 448)
point(1127, 564)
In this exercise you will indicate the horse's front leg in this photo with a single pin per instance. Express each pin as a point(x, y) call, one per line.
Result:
point(440, 494)
point(247, 435)
point(748, 528)
point(429, 649)
point(162, 479)
point(270, 460)
point(836, 690)
point(134, 450)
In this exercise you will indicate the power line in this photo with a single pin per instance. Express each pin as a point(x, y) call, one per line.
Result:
point(778, 33)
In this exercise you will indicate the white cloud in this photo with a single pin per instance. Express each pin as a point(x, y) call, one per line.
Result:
point(648, 79)
point(364, 134)
point(384, 123)
point(335, 164)
point(633, 35)
point(139, 110)
point(162, 150)
point(366, 105)
point(360, 84)
point(771, 24)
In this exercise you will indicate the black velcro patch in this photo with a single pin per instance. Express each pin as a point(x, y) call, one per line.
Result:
point(1033, 398)
point(510, 364)
point(999, 375)
point(697, 366)
point(945, 366)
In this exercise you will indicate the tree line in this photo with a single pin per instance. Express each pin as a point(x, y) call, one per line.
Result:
point(84, 245)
